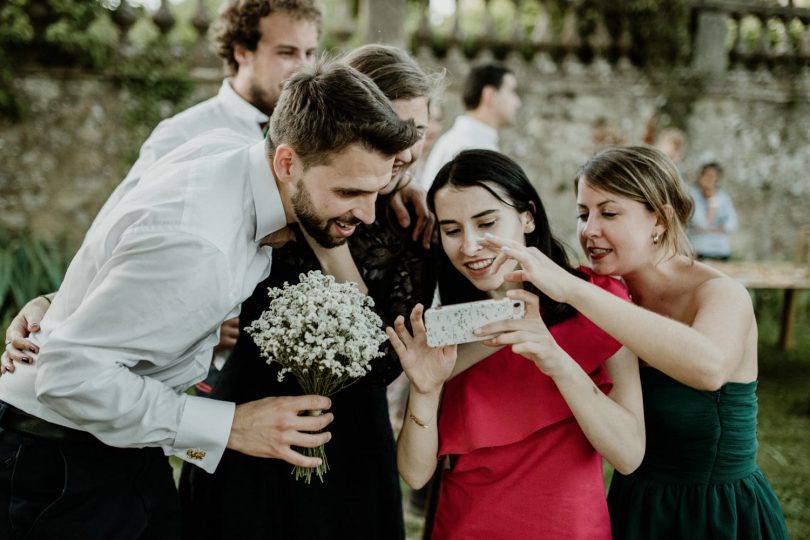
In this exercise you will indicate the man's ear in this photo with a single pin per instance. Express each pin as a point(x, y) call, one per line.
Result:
point(487, 94)
point(284, 158)
point(240, 54)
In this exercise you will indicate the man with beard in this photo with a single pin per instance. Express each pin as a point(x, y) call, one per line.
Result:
point(136, 317)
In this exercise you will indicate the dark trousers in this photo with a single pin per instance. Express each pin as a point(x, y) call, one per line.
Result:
point(56, 489)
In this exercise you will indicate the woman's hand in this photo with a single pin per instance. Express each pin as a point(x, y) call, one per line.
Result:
point(425, 222)
point(426, 367)
point(529, 337)
point(535, 267)
point(18, 347)
point(228, 334)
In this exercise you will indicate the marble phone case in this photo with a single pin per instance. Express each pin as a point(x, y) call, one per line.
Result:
point(448, 325)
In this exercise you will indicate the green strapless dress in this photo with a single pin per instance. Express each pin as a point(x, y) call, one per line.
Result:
point(699, 478)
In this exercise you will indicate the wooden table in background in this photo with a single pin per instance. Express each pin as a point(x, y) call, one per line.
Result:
point(773, 275)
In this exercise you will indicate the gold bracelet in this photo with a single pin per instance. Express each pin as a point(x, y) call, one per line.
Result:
point(418, 421)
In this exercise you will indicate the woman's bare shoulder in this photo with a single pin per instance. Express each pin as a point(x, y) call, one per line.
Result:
point(710, 283)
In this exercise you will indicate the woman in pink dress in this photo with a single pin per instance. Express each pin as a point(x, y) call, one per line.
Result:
point(522, 426)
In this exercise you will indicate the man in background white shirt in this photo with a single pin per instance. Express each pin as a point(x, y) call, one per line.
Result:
point(135, 320)
point(491, 103)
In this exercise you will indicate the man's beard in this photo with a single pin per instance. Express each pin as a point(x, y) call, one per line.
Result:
point(314, 226)
point(262, 100)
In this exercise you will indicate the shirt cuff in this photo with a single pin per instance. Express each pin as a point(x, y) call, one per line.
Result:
point(203, 433)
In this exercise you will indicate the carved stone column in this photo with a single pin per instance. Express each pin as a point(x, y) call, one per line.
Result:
point(710, 56)
point(384, 22)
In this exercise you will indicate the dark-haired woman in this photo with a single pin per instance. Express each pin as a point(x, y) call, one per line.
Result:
point(523, 426)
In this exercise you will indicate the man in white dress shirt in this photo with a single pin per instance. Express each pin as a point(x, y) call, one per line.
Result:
point(135, 319)
point(491, 103)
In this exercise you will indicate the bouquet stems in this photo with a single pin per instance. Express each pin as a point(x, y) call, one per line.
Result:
point(320, 452)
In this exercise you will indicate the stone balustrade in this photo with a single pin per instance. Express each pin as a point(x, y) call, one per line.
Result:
point(749, 36)
point(722, 34)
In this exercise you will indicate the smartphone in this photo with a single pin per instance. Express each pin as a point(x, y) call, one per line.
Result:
point(449, 325)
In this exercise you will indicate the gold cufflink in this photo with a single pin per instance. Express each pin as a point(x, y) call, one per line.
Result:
point(193, 453)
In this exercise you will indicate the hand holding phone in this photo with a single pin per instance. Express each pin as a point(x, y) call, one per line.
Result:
point(449, 325)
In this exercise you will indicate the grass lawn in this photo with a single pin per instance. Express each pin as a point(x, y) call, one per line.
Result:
point(784, 415)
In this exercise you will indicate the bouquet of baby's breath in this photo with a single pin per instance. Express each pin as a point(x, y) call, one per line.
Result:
point(324, 333)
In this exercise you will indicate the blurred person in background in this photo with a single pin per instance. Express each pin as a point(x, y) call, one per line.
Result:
point(714, 217)
point(491, 103)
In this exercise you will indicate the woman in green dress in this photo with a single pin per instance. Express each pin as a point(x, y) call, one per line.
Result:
point(695, 330)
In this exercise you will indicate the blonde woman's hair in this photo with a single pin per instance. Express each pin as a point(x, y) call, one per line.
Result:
point(646, 175)
point(394, 71)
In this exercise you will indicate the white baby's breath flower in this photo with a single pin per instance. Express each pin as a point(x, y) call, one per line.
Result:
point(323, 332)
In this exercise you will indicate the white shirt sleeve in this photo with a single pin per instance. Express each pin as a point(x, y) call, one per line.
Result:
point(109, 367)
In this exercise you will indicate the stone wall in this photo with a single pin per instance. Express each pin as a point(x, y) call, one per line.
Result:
point(59, 164)
point(757, 125)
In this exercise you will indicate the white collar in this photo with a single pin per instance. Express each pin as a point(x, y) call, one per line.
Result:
point(238, 107)
point(270, 215)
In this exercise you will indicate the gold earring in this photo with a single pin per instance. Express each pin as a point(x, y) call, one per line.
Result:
point(656, 238)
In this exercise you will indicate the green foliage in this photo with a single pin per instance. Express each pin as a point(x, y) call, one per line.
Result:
point(48, 32)
point(14, 23)
point(54, 32)
point(659, 30)
point(80, 34)
point(28, 267)
point(16, 32)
